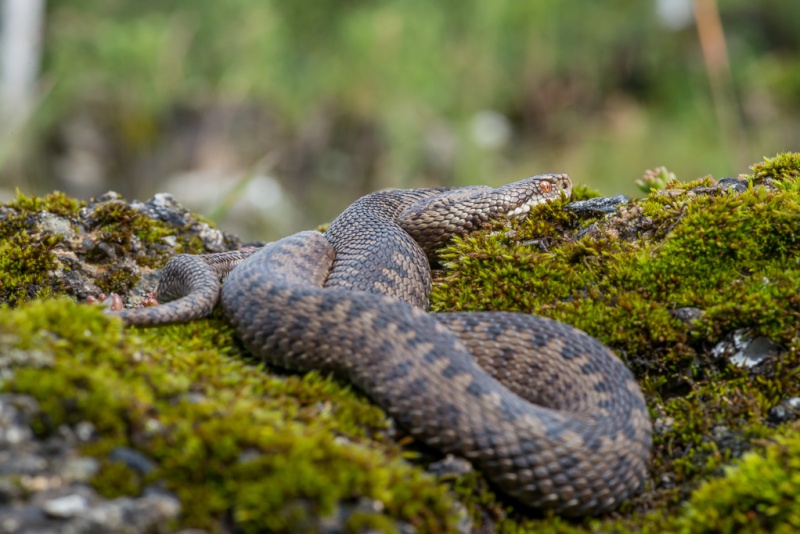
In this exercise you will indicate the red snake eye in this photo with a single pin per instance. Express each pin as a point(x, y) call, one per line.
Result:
point(545, 186)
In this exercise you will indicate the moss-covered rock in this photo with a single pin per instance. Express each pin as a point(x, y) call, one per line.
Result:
point(695, 286)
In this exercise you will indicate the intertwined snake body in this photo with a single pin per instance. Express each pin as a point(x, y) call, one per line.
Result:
point(546, 412)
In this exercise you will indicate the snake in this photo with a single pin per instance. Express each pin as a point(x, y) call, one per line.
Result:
point(548, 414)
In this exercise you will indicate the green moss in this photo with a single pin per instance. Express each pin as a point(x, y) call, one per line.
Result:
point(130, 231)
point(369, 522)
point(784, 168)
point(119, 224)
point(24, 266)
point(583, 192)
point(229, 439)
point(26, 252)
point(761, 493)
point(56, 203)
point(115, 479)
point(118, 278)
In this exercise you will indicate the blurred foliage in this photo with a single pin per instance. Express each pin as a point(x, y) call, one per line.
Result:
point(355, 95)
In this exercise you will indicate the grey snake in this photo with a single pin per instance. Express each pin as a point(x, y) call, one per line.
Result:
point(547, 413)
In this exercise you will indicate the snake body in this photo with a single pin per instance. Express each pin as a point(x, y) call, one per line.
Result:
point(546, 412)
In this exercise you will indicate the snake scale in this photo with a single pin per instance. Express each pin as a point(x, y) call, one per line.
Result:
point(547, 413)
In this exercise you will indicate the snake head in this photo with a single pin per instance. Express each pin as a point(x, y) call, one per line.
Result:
point(516, 199)
point(433, 221)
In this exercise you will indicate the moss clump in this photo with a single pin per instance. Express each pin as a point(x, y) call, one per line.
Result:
point(24, 265)
point(582, 192)
point(115, 479)
point(783, 168)
point(56, 203)
point(273, 453)
point(132, 232)
point(119, 225)
point(118, 279)
point(761, 493)
point(26, 253)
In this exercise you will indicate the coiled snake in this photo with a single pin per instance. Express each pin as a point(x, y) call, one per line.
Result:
point(566, 429)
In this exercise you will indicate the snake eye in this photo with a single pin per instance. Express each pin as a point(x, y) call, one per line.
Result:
point(545, 186)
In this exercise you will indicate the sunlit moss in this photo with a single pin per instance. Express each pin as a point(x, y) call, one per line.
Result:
point(26, 253)
point(783, 168)
point(759, 494)
point(56, 203)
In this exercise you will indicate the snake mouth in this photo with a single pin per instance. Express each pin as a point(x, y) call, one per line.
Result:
point(522, 210)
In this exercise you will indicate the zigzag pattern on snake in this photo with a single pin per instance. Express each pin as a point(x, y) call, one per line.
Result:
point(545, 412)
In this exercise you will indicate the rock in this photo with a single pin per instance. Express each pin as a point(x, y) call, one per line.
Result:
point(450, 465)
point(597, 205)
point(724, 185)
point(785, 411)
point(80, 469)
point(54, 224)
point(743, 351)
point(84, 430)
point(66, 507)
point(133, 459)
point(687, 314)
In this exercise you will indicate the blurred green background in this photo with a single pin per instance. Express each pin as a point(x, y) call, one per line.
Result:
point(282, 112)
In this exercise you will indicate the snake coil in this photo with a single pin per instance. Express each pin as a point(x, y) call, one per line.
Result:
point(545, 412)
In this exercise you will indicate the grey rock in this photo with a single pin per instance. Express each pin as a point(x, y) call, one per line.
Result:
point(744, 351)
point(663, 425)
point(133, 459)
point(724, 185)
point(22, 463)
point(66, 507)
point(785, 411)
point(597, 205)
point(687, 314)
point(738, 185)
point(450, 465)
point(80, 469)
point(84, 430)
point(53, 224)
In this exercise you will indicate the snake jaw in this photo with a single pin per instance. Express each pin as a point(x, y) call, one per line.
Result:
point(520, 212)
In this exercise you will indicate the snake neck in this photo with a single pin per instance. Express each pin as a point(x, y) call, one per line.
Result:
point(374, 254)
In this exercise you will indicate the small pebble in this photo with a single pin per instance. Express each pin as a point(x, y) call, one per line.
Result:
point(66, 507)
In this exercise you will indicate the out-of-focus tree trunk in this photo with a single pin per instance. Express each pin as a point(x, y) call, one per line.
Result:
point(21, 23)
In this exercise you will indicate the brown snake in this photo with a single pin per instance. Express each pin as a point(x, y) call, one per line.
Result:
point(545, 412)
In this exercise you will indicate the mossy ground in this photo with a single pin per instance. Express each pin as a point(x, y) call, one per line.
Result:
point(243, 445)
point(233, 442)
